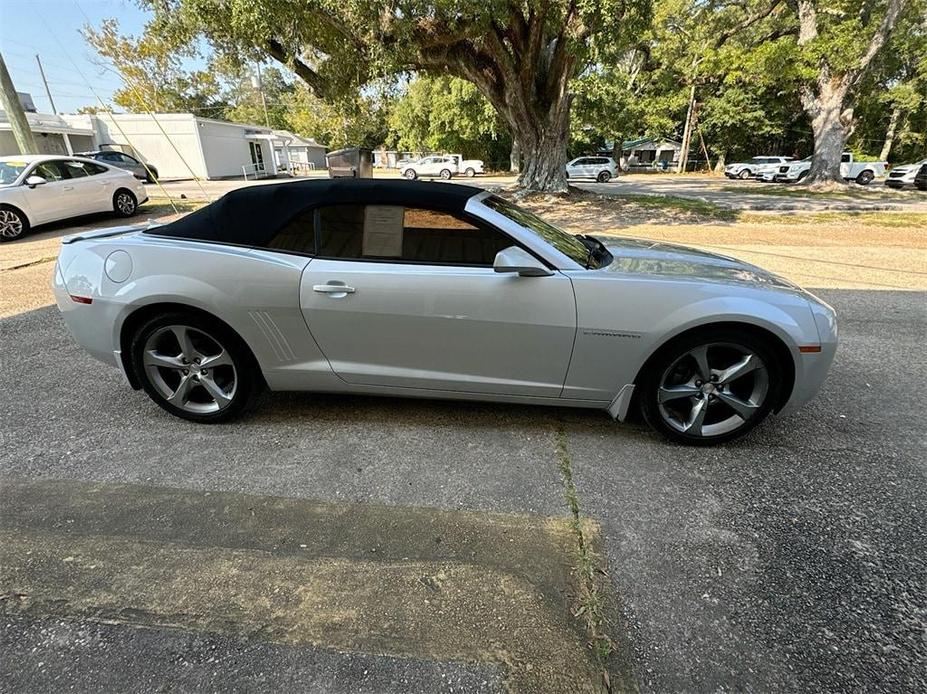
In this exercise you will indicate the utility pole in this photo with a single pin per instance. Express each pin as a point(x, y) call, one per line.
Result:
point(14, 112)
point(45, 82)
point(259, 85)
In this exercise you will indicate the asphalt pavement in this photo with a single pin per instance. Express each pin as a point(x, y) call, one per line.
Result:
point(792, 561)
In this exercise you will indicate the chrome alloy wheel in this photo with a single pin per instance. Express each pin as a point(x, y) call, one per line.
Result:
point(125, 203)
point(11, 224)
point(713, 389)
point(190, 369)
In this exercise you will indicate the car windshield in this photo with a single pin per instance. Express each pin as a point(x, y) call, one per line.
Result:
point(10, 171)
point(571, 246)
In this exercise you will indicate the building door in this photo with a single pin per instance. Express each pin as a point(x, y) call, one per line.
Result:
point(257, 155)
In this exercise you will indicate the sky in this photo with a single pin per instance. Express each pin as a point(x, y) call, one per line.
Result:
point(51, 28)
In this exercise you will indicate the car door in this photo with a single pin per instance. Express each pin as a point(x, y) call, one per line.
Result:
point(92, 185)
point(56, 198)
point(404, 297)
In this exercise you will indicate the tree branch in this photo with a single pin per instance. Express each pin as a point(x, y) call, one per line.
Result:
point(277, 51)
point(878, 39)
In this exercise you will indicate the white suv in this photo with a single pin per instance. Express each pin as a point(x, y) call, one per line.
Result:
point(602, 169)
point(426, 167)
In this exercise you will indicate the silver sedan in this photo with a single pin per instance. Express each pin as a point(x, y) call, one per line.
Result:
point(441, 291)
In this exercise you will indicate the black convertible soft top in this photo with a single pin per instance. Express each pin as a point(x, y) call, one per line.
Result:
point(252, 215)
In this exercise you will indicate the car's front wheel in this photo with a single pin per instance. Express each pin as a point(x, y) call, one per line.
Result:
point(13, 224)
point(711, 386)
point(194, 367)
point(410, 174)
point(124, 203)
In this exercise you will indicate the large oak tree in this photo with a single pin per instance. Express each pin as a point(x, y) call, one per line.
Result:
point(520, 54)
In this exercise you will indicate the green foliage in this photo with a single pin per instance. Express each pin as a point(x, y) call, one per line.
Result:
point(357, 121)
point(151, 68)
point(447, 114)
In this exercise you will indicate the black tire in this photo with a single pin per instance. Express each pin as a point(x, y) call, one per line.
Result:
point(673, 356)
point(603, 177)
point(745, 174)
point(410, 174)
point(865, 178)
point(470, 172)
point(125, 204)
point(446, 174)
point(13, 223)
point(248, 381)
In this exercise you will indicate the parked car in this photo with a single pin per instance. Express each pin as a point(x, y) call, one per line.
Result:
point(468, 167)
point(754, 167)
point(863, 172)
point(920, 180)
point(901, 176)
point(602, 169)
point(431, 290)
point(37, 189)
point(145, 172)
point(430, 167)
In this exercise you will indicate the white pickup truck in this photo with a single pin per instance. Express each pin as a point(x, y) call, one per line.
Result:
point(863, 172)
point(468, 167)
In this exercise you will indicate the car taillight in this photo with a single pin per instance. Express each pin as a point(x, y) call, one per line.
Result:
point(81, 299)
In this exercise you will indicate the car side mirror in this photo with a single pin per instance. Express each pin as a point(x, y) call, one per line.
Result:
point(34, 181)
point(518, 260)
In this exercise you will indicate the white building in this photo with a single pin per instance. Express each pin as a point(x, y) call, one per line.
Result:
point(294, 152)
point(182, 145)
point(52, 133)
point(649, 152)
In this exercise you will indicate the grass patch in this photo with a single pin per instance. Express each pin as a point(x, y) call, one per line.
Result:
point(857, 193)
point(905, 220)
point(591, 603)
point(161, 206)
point(693, 206)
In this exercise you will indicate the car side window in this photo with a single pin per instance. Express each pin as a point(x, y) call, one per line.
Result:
point(845, 158)
point(74, 169)
point(297, 235)
point(406, 234)
point(49, 170)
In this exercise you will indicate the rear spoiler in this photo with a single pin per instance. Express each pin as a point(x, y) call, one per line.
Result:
point(106, 233)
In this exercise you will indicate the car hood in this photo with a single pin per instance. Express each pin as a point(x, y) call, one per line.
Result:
point(659, 259)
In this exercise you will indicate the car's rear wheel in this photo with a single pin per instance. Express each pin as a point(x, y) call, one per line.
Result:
point(745, 174)
point(124, 203)
point(865, 178)
point(13, 224)
point(194, 367)
point(470, 172)
point(446, 174)
point(710, 387)
point(603, 177)
point(410, 174)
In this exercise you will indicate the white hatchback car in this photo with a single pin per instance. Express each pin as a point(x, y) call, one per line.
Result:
point(601, 169)
point(37, 189)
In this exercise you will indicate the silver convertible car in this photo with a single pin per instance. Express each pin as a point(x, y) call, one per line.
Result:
point(442, 291)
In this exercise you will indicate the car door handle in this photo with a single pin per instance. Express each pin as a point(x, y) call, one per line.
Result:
point(333, 289)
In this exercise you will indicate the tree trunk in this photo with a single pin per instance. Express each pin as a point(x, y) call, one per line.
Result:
point(543, 148)
point(825, 109)
point(722, 159)
point(890, 133)
point(515, 157)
